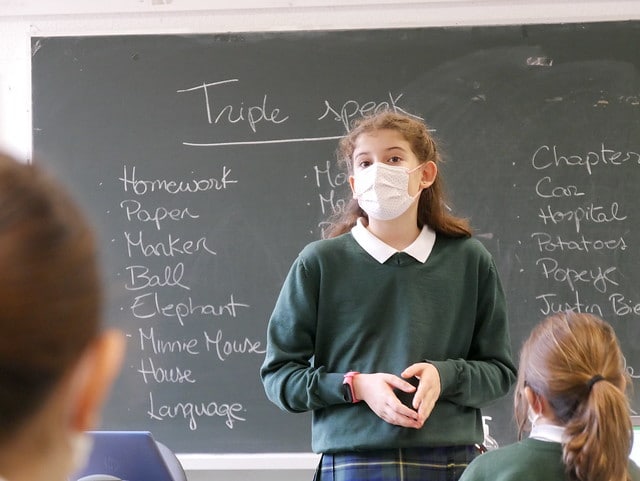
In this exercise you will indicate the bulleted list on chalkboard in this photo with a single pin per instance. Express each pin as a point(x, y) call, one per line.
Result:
point(582, 236)
point(159, 279)
point(185, 330)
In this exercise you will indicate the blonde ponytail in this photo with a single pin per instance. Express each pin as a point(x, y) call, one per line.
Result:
point(599, 436)
point(574, 361)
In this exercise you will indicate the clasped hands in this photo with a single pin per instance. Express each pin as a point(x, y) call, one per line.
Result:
point(377, 390)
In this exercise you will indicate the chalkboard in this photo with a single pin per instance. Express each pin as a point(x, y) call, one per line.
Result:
point(208, 161)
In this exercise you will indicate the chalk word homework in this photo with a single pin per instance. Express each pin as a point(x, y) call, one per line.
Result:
point(130, 183)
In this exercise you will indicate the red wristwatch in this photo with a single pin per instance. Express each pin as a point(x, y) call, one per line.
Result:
point(347, 387)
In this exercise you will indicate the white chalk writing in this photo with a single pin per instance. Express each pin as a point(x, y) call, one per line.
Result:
point(548, 243)
point(229, 113)
point(192, 412)
point(133, 210)
point(150, 304)
point(160, 346)
point(159, 375)
point(131, 183)
point(174, 246)
point(548, 156)
point(552, 305)
point(353, 109)
point(141, 278)
point(225, 348)
point(551, 269)
point(589, 213)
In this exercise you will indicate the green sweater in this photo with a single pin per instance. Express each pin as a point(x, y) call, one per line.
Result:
point(340, 310)
point(528, 460)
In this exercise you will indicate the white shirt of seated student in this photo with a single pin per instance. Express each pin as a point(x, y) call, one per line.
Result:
point(547, 432)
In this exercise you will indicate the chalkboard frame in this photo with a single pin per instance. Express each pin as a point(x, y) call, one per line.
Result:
point(527, 35)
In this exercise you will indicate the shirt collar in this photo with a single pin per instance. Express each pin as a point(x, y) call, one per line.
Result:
point(547, 432)
point(419, 249)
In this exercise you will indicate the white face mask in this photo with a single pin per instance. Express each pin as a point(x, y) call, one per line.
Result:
point(382, 191)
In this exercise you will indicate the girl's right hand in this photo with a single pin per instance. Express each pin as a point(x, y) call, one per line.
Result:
point(377, 391)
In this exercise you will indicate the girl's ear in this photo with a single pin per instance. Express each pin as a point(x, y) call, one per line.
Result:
point(93, 378)
point(429, 173)
point(532, 399)
point(351, 183)
point(538, 403)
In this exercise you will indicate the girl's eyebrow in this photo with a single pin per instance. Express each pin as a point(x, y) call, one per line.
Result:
point(397, 148)
point(366, 152)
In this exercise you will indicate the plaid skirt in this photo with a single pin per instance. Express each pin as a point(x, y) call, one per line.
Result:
point(406, 464)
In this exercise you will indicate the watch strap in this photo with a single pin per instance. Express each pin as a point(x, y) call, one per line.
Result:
point(350, 394)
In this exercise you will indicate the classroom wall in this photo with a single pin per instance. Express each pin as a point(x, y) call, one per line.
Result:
point(21, 19)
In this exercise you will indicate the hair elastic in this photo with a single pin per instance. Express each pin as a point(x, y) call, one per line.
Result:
point(594, 380)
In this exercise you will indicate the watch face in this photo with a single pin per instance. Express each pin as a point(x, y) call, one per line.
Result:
point(346, 393)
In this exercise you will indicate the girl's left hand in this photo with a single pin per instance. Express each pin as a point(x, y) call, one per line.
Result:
point(428, 390)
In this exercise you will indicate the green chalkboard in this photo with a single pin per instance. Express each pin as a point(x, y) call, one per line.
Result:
point(207, 162)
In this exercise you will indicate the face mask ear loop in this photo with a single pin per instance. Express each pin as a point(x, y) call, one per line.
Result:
point(419, 166)
point(533, 417)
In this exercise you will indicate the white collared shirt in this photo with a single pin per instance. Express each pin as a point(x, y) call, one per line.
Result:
point(547, 432)
point(380, 251)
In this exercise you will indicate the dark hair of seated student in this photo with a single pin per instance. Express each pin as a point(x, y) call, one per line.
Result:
point(56, 362)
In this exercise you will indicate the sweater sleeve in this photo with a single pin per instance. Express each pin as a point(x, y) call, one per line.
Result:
point(487, 372)
point(289, 379)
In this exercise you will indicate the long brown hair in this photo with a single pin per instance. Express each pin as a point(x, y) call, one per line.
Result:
point(575, 362)
point(50, 295)
point(432, 209)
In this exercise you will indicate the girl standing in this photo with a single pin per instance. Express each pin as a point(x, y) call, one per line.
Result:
point(571, 396)
point(394, 330)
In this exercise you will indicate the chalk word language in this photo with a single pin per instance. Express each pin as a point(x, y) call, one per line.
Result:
point(193, 412)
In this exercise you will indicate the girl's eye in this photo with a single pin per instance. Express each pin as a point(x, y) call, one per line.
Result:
point(395, 159)
point(363, 164)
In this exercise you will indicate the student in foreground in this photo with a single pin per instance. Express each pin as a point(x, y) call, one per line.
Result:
point(571, 396)
point(56, 365)
point(393, 331)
